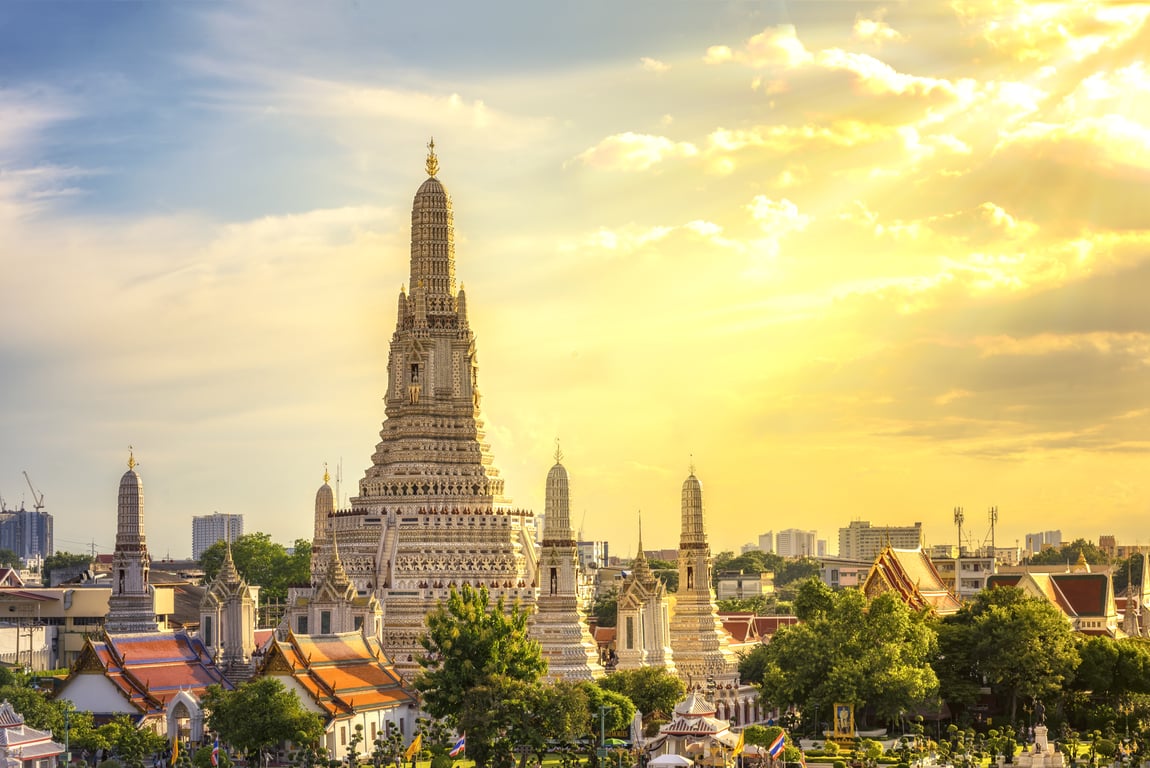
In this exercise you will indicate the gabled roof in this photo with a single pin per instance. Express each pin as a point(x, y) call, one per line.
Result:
point(767, 626)
point(910, 574)
point(740, 626)
point(149, 668)
point(1078, 595)
point(343, 673)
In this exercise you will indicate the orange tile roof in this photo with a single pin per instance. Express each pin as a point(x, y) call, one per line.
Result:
point(150, 668)
point(343, 673)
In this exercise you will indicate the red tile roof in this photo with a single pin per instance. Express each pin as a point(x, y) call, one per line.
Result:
point(149, 668)
point(343, 673)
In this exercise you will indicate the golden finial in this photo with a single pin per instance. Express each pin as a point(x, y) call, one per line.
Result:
point(326, 476)
point(691, 469)
point(432, 160)
point(558, 452)
point(131, 458)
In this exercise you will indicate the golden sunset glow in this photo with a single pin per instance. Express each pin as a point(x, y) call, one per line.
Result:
point(854, 260)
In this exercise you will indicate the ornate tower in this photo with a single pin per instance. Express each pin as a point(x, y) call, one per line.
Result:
point(558, 623)
point(130, 608)
point(431, 512)
point(703, 654)
point(642, 636)
point(228, 619)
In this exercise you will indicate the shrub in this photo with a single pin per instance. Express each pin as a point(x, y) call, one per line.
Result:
point(839, 764)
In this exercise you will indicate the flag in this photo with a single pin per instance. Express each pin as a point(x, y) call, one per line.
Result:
point(460, 746)
point(175, 750)
point(776, 747)
point(413, 749)
point(740, 744)
point(216, 752)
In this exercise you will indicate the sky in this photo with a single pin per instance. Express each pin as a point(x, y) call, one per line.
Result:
point(848, 260)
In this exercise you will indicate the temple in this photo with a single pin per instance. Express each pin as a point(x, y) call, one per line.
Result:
point(130, 608)
point(559, 623)
point(430, 512)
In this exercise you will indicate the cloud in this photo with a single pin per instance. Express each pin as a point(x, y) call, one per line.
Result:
point(1050, 31)
point(634, 152)
point(875, 31)
point(654, 65)
point(773, 48)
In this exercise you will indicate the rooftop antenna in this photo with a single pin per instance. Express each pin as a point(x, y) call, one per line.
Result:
point(993, 515)
point(958, 518)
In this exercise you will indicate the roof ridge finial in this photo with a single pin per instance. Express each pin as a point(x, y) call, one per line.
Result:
point(558, 452)
point(326, 474)
point(691, 466)
point(131, 458)
point(432, 160)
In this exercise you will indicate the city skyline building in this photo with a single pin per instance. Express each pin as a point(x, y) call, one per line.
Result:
point(1036, 542)
point(218, 526)
point(794, 542)
point(862, 541)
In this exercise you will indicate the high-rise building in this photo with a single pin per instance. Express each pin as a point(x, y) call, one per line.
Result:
point(431, 513)
point(1036, 542)
point(796, 543)
point(862, 541)
point(767, 542)
point(593, 554)
point(208, 529)
point(27, 533)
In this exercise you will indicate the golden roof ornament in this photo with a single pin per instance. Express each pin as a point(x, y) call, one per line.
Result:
point(558, 452)
point(131, 458)
point(432, 160)
point(326, 476)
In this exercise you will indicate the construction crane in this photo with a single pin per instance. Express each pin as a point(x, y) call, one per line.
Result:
point(37, 498)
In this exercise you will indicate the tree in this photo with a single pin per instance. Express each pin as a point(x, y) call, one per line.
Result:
point(259, 715)
point(605, 607)
point(9, 559)
point(874, 656)
point(62, 561)
point(653, 690)
point(1021, 646)
point(130, 743)
point(477, 651)
point(760, 605)
point(1069, 553)
point(262, 562)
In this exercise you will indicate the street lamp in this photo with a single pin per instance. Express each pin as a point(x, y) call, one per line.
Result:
point(603, 730)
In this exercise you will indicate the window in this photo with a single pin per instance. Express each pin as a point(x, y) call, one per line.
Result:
point(301, 625)
point(325, 622)
point(208, 630)
point(630, 632)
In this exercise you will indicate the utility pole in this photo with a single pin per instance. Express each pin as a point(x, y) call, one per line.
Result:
point(958, 518)
point(993, 515)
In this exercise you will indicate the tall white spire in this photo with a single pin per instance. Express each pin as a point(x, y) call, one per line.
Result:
point(130, 607)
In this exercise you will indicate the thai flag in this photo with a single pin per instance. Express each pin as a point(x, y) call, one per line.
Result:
point(459, 747)
point(216, 752)
point(776, 747)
